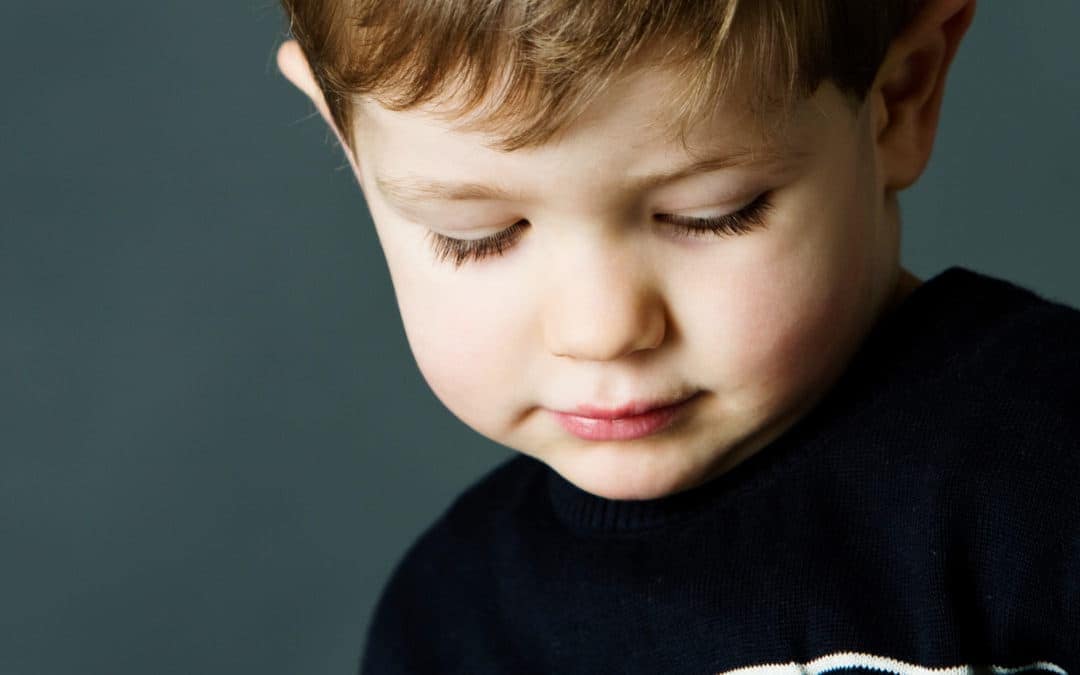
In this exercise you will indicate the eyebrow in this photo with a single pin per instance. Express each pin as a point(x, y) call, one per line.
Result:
point(414, 188)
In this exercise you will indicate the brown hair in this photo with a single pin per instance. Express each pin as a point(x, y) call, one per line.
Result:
point(548, 59)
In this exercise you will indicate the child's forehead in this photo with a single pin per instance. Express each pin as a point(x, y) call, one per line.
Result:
point(636, 109)
point(412, 158)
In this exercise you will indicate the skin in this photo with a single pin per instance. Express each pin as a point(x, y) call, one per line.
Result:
point(598, 302)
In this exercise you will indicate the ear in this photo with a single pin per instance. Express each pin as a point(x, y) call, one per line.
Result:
point(295, 67)
point(907, 91)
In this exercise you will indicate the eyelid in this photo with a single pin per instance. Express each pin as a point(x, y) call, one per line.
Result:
point(750, 217)
point(714, 205)
point(468, 235)
point(702, 213)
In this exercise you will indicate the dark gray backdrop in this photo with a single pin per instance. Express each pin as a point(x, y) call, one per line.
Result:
point(214, 442)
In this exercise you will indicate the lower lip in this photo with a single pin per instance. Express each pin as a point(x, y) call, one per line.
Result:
point(623, 428)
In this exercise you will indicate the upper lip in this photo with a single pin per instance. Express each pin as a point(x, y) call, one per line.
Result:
point(636, 407)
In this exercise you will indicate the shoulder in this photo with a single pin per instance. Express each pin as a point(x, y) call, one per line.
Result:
point(489, 505)
point(986, 374)
point(1007, 406)
point(1026, 356)
point(440, 586)
point(986, 409)
point(473, 520)
point(994, 340)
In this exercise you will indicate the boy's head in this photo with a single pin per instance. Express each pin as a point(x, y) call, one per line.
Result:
point(553, 136)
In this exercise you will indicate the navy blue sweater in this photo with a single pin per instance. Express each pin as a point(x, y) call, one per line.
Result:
point(924, 515)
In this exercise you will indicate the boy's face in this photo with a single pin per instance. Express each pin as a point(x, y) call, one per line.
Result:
point(601, 301)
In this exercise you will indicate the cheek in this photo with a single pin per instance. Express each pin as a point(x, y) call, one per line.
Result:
point(467, 329)
point(813, 295)
point(800, 331)
point(789, 311)
point(777, 330)
point(467, 345)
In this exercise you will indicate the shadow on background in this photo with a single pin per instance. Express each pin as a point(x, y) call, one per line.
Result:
point(215, 443)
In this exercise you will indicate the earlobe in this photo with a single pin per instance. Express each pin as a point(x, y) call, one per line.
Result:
point(910, 85)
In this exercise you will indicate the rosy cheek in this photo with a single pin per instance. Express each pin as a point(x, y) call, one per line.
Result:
point(458, 351)
point(769, 322)
point(445, 350)
point(821, 322)
point(782, 322)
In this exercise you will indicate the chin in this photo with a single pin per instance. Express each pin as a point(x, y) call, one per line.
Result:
point(623, 480)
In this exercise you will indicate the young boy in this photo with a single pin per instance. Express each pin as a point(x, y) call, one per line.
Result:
point(654, 246)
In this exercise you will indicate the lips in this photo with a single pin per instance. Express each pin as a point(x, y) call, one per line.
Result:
point(627, 410)
point(629, 421)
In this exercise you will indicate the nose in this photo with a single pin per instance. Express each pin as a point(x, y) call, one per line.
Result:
point(602, 304)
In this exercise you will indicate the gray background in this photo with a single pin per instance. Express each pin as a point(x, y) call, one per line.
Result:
point(214, 443)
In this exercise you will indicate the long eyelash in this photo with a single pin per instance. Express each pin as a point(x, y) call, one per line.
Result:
point(746, 219)
point(463, 250)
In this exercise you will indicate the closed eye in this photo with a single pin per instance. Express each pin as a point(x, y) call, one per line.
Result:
point(747, 219)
